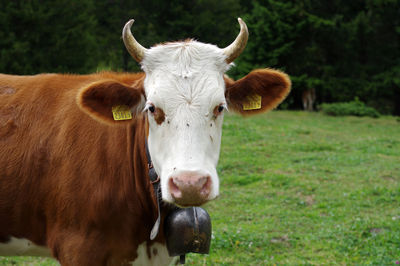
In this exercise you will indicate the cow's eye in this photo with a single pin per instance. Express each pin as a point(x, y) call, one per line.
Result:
point(152, 108)
point(219, 109)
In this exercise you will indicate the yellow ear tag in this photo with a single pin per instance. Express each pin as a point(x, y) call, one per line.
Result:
point(253, 102)
point(121, 112)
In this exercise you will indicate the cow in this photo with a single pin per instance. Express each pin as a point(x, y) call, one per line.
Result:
point(74, 175)
point(308, 98)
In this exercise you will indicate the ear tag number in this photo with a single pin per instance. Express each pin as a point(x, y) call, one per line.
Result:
point(253, 102)
point(121, 112)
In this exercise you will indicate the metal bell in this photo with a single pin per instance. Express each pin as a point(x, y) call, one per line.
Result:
point(188, 230)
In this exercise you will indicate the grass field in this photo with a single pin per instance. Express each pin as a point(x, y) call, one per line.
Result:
point(303, 188)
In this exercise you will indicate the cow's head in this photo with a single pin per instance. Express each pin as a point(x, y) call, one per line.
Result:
point(185, 95)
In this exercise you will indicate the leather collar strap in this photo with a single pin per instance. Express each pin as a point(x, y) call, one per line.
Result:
point(155, 180)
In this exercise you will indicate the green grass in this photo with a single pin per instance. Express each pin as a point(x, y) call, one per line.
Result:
point(304, 188)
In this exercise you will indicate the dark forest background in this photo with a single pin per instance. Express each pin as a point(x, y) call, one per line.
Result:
point(344, 49)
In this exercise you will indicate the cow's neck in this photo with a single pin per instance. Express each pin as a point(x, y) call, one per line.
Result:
point(138, 132)
point(142, 189)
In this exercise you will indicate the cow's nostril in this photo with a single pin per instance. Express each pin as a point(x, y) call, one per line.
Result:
point(174, 189)
point(205, 190)
point(200, 182)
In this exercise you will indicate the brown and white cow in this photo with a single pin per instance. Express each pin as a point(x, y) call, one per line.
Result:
point(74, 182)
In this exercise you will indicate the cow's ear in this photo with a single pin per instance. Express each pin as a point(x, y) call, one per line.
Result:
point(261, 90)
point(112, 102)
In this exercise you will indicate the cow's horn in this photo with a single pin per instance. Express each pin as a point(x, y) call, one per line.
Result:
point(236, 48)
point(134, 48)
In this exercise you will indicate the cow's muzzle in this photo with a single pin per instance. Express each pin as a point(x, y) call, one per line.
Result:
point(190, 188)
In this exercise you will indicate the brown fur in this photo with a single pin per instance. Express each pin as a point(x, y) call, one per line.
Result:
point(98, 98)
point(159, 116)
point(78, 186)
point(68, 182)
point(272, 85)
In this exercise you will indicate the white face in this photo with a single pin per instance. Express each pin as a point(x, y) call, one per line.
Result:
point(185, 93)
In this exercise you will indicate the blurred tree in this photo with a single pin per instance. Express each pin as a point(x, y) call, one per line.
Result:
point(47, 36)
point(161, 21)
point(343, 49)
point(286, 36)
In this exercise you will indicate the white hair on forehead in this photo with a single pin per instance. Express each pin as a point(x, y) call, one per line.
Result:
point(185, 77)
point(186, 94)
point(185, 58)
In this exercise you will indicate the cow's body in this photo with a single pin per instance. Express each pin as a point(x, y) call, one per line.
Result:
point(67, 181)
point(74, 182)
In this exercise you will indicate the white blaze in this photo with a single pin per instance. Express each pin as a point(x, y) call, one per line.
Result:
point(185, 80)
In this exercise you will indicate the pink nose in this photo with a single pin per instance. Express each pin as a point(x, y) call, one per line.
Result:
point(190, 188)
